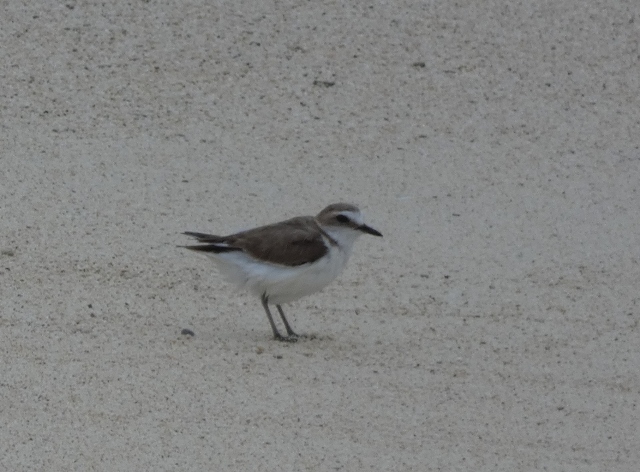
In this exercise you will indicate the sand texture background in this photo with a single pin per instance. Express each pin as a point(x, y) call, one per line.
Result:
point(495, 145)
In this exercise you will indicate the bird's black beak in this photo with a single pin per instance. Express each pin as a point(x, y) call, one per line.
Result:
point(369, 230)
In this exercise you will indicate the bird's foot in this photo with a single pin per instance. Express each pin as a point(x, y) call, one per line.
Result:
point(290, 338)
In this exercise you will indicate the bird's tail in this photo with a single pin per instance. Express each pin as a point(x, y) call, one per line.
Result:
point(210, 243)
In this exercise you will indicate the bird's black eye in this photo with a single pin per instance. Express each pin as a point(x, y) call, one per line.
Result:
point(342, 219)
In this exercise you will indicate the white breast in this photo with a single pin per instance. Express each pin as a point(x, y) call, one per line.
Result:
point(285, 284)
point(282, 284)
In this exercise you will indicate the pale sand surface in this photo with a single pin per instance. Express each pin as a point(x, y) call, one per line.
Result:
point(493, 328)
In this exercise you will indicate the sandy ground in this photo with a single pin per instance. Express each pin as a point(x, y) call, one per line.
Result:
point(496, 146)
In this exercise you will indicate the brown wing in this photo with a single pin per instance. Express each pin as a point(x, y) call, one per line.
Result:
point(293, 242)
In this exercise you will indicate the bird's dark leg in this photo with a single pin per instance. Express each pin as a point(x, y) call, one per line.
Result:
point(290, 332)
point(276, 334)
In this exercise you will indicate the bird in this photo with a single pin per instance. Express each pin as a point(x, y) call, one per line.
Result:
point(284, 261)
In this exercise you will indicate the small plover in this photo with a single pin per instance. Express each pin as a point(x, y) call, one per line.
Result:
point(285, 261)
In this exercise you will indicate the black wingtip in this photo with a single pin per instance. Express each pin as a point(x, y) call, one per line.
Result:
point(199, 235)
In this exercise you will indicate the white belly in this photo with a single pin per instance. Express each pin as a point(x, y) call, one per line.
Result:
point(280, 283)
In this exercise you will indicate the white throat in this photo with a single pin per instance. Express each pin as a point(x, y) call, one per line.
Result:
point(344, 237)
